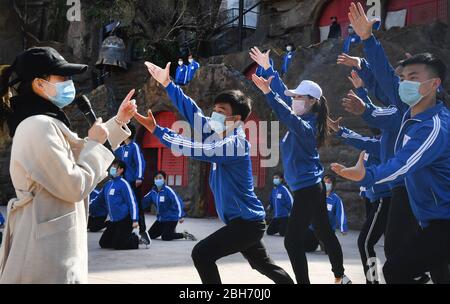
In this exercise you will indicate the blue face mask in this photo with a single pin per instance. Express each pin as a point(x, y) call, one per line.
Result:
point(217, 122)
point(276, 181)
point(159, 183)
point(65, 93)
point(113, 171)
point(409, 92)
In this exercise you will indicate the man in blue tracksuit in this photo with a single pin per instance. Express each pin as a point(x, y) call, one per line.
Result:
point(130, 153)
point(287, 58)
point(224, 145)
point(169, 210)
point(123, 212)
point(192, 68)
point(335, 207)
point(378, 76)
point(181, 74)
point(97, 213)
point(281, 201)
point(351, 39)
point(422, 157)
point(380, 198)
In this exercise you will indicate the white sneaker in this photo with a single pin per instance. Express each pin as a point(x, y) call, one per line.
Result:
point(344, 280)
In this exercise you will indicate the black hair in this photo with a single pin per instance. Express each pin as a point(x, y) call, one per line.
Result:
point(332, 177)
point(5, 75)
point(120, 164)
point(240, 104)
point(133, 130)
point(433, 63)
point(279, 173)
point(323, 132)
point(160, 172)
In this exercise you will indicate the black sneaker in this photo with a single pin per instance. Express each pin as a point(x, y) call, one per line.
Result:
point(423, 279)
point(189, 236)
point(144, 238)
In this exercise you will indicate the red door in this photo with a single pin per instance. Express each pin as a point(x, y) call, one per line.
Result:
point(159, 157)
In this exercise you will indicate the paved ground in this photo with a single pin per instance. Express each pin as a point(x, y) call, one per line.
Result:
point(170, 262)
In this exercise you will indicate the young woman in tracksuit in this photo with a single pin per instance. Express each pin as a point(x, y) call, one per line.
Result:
point(123, 211)
point(281, 201)
point(305, 115)
point(380, 197)
point(169, 209)
point(224, 145)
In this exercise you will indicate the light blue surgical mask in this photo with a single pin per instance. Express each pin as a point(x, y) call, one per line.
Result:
point(65, 93)
point(409, 92)
point(113, 171)
point(159, 183)
point(217, 122)
point(276, 181)
point(328, 187)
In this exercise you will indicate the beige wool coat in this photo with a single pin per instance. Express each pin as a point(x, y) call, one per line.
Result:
point(53, 172)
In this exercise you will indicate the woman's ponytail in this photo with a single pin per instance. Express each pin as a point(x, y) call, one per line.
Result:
point(321, 108)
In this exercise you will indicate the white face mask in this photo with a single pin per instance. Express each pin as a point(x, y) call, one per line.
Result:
point(300, 106)
point(180, 62)
point(191, 60)
point(289, 48)
point(328, 187)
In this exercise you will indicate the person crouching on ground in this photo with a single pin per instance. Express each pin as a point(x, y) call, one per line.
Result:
point(170, 211)
point(123, 211)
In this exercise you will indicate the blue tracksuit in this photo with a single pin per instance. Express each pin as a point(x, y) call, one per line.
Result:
point(372, 147)
point(99, 209)
point(260, 70)
point(281, 201)
point(132, 156)
point(169, 205)
point(119, 199)
point(181, 75)
point(2, 219)
point(231, 178)
point(422, 157)
point(298, 147)
point(287, 58)
point(388, 120)
point(192, 69)
point(351, 39)
point(336, 213)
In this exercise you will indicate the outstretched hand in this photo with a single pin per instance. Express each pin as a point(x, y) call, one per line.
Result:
point(148, 122)
point(361, 24)
point(350, 61)
point(262, 59)
point(356, 80)
point(353, 104)
point(262, 84)
point(355, 173)
point(159, 74)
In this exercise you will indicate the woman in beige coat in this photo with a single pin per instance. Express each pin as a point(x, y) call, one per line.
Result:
point(52, 170)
